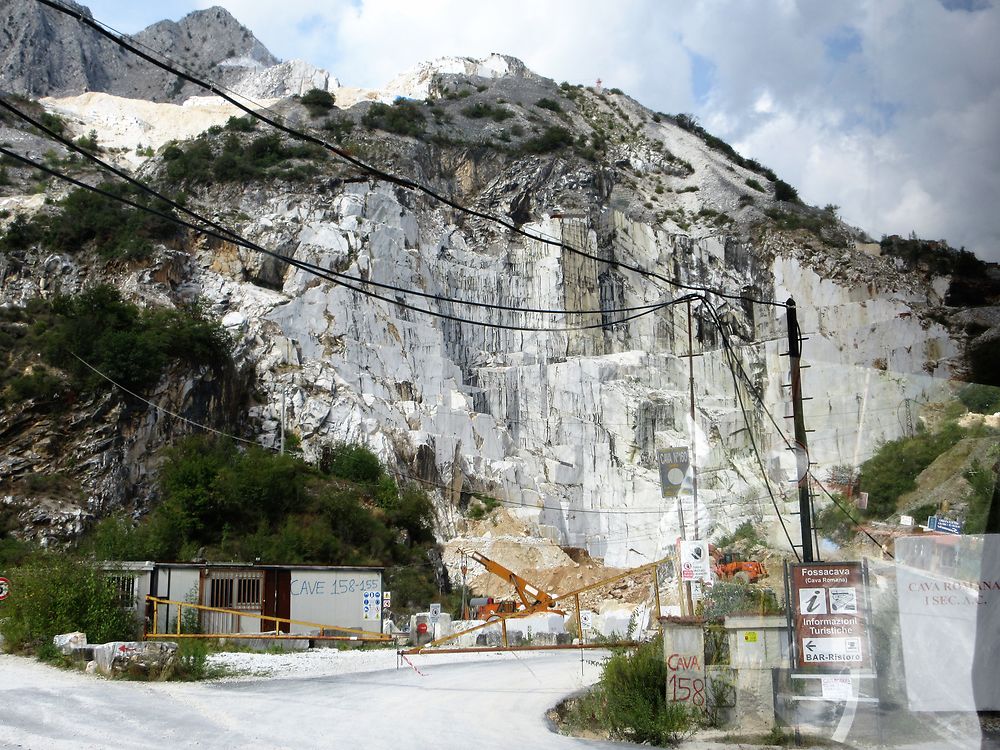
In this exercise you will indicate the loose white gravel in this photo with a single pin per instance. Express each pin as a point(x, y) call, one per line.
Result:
point(329, 662)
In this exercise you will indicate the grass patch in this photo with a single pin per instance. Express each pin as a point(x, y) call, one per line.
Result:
point(893, 470)
point(982, 399)
point(745, 534)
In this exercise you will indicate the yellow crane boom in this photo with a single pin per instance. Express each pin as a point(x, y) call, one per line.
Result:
point(532, 598)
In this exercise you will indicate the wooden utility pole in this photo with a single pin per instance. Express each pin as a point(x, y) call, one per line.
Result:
point(801, 447)
point(694, 439)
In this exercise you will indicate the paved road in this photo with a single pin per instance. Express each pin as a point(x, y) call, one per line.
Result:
point(458, 705)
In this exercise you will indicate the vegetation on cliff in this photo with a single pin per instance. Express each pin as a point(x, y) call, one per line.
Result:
point(47, 346)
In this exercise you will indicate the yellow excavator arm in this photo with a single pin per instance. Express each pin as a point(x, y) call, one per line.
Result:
point(533, 599)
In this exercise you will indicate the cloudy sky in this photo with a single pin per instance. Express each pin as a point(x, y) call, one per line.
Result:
point(889, 109)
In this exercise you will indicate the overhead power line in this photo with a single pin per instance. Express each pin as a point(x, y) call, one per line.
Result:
point(731, 358)
point(332, 276)
point(410, 184)
point(381, 174)
point(225, 234)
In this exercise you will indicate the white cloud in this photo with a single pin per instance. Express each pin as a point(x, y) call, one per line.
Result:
point(888, 108)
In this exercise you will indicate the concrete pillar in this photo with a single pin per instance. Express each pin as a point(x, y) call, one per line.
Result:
point(684, 654)
point(757, 646)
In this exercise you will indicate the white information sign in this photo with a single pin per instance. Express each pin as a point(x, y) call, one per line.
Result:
point(696, 565)
point(587, 619)
point(371, 605)
point(831, 650)
point(844, 600)
point(836, 688)
point(435, 613)
point(812, 601)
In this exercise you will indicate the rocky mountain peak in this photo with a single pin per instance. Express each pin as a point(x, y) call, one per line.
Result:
point(207, 37)
point(417, 82)
point(47, 53)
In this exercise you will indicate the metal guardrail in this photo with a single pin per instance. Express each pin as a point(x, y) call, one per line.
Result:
point(354, 634)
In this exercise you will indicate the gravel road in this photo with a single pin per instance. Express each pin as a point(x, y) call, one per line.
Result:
point(325, 698)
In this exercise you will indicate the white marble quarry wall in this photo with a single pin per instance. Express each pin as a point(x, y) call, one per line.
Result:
point(564, 427)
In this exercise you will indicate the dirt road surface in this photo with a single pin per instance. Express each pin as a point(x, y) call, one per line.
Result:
point(470, 703)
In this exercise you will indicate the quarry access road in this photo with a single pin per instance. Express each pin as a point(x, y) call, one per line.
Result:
point(494, 700)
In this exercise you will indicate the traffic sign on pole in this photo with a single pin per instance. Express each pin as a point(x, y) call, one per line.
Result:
point(4, 588)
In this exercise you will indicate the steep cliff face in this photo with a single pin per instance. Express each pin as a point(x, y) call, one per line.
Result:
point(47, 53)
point(560, 424)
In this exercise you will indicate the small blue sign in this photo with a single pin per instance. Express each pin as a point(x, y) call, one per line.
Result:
point(932, 523)
point(948, 526)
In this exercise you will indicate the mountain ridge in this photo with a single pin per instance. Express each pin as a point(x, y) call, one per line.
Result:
point(561, 424)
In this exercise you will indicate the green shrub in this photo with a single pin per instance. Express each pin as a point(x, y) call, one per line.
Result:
point(355, 463)
point(746, 533)
point(550, 104)
point(982, 399)
point(53, 122)
point(318, 101)
point(113, 229)
point(246, 504)
point(552, 139)
point(785, 192)
point(893, 470)
point(130, 346)
point(339, 127)
point(481, 110)
point(241, 124)
point(629, 701)
point(54, 593)
point(191, 165)
point(88, 142)
point(983, 481)
point(752, 183)
point(402, 117)
point(40, 385)
point(734, 598)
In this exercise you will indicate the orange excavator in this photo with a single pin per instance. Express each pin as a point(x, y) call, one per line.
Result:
point(732, 565)
point(532, 598)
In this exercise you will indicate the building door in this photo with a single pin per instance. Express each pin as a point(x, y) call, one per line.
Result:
point(277, 600)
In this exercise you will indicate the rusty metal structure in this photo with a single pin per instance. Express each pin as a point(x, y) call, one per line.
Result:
point(549, 602)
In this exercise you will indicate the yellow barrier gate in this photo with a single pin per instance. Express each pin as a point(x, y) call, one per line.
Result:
point(353, 634)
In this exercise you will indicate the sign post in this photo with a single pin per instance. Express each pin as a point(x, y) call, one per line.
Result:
point(695, 561)
point(674, 464)
point(828, 601)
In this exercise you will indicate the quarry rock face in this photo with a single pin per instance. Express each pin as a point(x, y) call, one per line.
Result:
point(556, 392)
point(563, 426)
